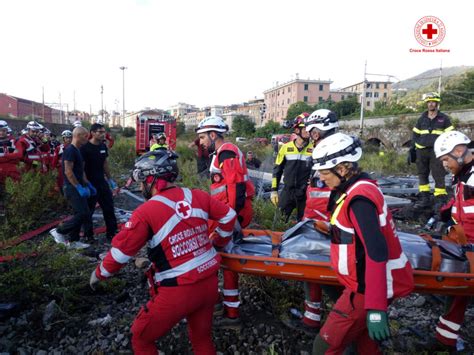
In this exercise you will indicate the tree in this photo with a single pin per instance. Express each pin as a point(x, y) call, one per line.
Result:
point(271, 127)
point(180, 128)
point(128, 132)
point(460, 92)
point(346, 107)
point(298, 108)
point(243, 126)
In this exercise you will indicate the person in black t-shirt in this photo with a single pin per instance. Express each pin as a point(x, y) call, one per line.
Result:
point(77, 189)
point(96, 167)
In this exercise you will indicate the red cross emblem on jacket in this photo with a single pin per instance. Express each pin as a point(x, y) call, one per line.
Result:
point(183, 209)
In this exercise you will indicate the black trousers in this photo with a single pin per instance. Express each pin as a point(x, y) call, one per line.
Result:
point(425, 162)
point(81, 217)
point(105, 199)
point(291, 198)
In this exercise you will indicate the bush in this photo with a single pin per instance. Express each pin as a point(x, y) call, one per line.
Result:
point(267, 216)
point(128, 132)
point(386, 162)
point(28, 203)
point(122, 156)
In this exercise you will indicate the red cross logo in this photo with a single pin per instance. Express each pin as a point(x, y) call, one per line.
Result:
point(429, 31)
point(183, 209)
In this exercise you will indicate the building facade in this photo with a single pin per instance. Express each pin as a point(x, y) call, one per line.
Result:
point(180, 109)
point(280, 97)
point(373, 91)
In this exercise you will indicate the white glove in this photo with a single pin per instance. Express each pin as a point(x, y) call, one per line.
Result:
point(94, 281)
point(274, 197)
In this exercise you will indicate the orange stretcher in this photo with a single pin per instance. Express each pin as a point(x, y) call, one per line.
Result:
point(432, 282)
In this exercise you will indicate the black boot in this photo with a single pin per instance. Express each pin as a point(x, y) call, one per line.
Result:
point(424, 201)
point(439, 201)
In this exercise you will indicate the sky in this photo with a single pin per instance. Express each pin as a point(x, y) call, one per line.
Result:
point(211, 52)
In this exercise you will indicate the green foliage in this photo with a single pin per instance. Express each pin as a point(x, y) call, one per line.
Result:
point(28, 203)
point(298, 108)
point(185, 153)
point(128, 132)
point(122, 156)
point(460, 93)
point(270, 128)
point(243, 126)
point(267, 216)
point(385, 162)
point(342, 108)
point(189, 176)
point(384, 108)
point(180, 128)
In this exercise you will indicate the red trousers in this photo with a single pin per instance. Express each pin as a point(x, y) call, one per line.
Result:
point(447, 330)
point(312, 304)
point(346, 324)
point(194, 302)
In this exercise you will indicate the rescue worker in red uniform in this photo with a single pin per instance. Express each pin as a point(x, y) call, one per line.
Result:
point(9, 156)
point(365, 252)
point(451, 148)
point(230, 184)
point(57, 157)
point(28, 146)
point(293, 161)
point(173, 222)
point(320, 124)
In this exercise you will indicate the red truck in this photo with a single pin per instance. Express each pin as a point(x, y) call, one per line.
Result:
point(153, 122)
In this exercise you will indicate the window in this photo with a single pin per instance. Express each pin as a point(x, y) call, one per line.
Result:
point(368, 85)
point(385, 95)
point(377, 85)
point(385, 85)
point(368, 94)
point(342, 97)
point(321, 87)
point(288, 101)
point(305, 99)
point(320, 99)
point(368, 103)
point(376, 94)
point(306, 87)
point(289, 88)
point(278, 92)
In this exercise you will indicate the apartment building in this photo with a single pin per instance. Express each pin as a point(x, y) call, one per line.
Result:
point(374, 91)
point(254, 109)
point(180, 109)
point(280, 97)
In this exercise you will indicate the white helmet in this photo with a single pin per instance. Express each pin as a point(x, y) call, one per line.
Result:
point(24, 131)
point(336, 149)
point(77, 124)
point(4, 125)
point(66, 134)
point(34, 126)
point(446, 142)
point(212, 123)
point(322, 119)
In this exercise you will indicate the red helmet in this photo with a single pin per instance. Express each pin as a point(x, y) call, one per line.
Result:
point(298, 122)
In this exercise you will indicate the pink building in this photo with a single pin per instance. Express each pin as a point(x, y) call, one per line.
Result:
point(280, 97)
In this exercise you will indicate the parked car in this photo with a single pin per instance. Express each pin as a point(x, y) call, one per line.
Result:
point(240, 139)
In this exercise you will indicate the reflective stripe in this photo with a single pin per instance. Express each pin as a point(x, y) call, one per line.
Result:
point(218, 190)
point(454, 209)
point(231, 292)
point(342, 262)
point(187, 266)
point(312, 316)
point(383, 216)
point(437, 131)
point(467, 209)
point(446, 333)
point(424, 188)
point(322, 215)
point(315, 194)
point(232, 304)
point(164, 200)
point(33, 156)
point(450, 128)
point(103, 271)
point(439, 191)
point(345, 229)
point(420, 131)
point(224, 234)
point(164, 231)
point(316, 305)
point(449, 324)
point(394, 264)
point(228, 217)
point(118, 256)
point(419, 146)
point(297, 157)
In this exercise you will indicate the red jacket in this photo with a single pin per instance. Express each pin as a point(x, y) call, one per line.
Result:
point(462, 206)
point(379, 280)
point(230, 179)
point(317, 198)
point(9, 159)
point(174, 224)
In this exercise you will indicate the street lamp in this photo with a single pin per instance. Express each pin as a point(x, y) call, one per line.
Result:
point(123, 94)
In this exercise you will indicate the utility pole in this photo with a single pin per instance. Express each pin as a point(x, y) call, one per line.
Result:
point(122, 68)
point(102, 99)
point(440, 75)
point(362, 102)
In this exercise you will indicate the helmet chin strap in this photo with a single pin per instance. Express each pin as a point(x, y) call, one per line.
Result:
point(148, 187)
point(341, 178)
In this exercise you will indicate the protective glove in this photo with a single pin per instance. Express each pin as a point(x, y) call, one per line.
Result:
point(83, 191)
point(112, 184)
point(377, 325)
point(92, 189)
point(411, 158)
point(94, 281)
point(274, 197)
